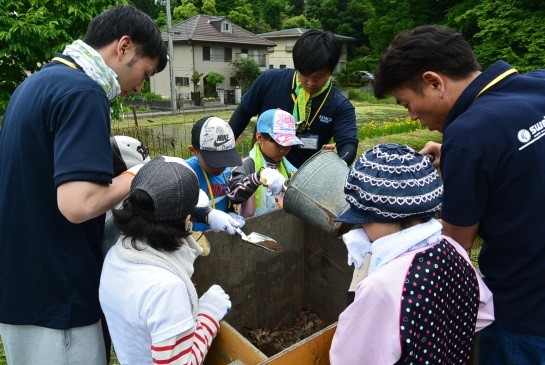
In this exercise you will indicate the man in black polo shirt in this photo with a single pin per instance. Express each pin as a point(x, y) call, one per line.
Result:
point(320, 110)
point(493, 166)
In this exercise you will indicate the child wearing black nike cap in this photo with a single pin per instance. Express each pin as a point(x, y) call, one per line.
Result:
point(214, 153)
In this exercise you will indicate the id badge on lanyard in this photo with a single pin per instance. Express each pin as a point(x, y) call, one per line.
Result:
point(310, 141)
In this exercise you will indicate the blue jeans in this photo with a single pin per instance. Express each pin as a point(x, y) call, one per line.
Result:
point(500, 347)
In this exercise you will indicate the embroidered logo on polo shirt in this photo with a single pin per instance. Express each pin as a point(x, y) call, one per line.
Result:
point(324, 119)
point(532, 134)
point(524, 136)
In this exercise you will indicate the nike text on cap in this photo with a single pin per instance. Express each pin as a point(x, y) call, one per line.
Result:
point(215, 139)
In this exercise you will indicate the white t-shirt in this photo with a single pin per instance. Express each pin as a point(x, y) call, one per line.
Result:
point(139, 300)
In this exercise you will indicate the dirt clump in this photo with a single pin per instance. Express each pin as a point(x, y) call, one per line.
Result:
point(272, 341)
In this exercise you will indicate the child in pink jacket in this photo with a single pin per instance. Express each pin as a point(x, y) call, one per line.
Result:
point(422, 300)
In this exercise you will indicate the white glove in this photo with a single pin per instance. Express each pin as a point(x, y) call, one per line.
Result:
point(273, 180)
point(358, 245)
point(240, 219)
point(215, 302)
point(222, 222)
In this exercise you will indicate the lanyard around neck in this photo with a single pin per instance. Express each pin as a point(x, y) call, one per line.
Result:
point(308, 124)
point(210, 192)
point(496, 80)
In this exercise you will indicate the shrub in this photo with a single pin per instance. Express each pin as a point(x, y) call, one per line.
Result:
point(374, 129)
point(368, 96)
point(151, 96)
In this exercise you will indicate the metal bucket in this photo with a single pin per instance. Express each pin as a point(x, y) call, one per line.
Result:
point(315, 193)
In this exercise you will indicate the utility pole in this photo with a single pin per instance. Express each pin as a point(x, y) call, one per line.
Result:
point(170, 58)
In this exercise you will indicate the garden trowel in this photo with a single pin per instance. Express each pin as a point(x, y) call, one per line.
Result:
point(260, 240)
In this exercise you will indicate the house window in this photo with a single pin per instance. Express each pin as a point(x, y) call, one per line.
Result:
point(252, 53)
point(228, 54)
point(182, 81)
point(289, 45)
point(217, 54)
point(282, 66)
point(225, 27)
point(233, 81)
point(271, 66)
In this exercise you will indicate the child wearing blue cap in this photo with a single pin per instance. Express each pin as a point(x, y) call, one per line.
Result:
point(421, 299)
point(267, 163)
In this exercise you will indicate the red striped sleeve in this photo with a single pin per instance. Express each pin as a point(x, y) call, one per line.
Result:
point(189, 347)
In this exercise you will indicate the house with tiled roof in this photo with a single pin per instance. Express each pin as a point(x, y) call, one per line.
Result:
point(280, 56)
point(207, 43)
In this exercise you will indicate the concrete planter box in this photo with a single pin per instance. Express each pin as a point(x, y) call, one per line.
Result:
point(185, 104)
point(210, 103)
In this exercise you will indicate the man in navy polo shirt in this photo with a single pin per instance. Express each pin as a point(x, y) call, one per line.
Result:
point(56, 183)
point(493, 166)
point(307, 92)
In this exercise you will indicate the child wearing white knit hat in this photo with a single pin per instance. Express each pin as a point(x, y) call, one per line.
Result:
point(421, 299)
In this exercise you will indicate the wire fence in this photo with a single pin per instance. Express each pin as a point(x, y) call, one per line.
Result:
point(174, 139)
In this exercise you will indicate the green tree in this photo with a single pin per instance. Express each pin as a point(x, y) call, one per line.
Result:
point(224, 6)
point(242, 15)
point(386, 20)
point(274, 11)
point(31, 31)
point(511, 31)
point(246, 70)
point(185, 11)
point(211, 80)
point(149, 7)
point(195, 79)
point(209, 7)
point(349, 17)
point(300, 21)
point(297, 7)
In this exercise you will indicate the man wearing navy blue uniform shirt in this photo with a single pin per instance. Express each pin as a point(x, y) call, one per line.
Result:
point(493, 167)
point(321, 111)
point(56, 183)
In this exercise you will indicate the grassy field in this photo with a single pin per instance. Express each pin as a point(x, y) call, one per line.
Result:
point(379, 123)
point(171, 134)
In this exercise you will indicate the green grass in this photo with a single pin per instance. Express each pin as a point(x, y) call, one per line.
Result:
point(171, 134)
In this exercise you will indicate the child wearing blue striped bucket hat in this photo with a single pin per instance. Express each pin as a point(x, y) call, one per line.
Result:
point(420, 298)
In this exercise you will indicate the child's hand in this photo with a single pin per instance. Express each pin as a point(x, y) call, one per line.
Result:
point(273, 180)
point(215, 302)
point(358, 245)
point(222, 222)
point(240, 219)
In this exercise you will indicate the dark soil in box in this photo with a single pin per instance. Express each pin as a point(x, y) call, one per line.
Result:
point(272, 341)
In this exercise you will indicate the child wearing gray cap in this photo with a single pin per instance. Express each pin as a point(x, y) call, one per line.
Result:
point(151, 305)
point(421, 299)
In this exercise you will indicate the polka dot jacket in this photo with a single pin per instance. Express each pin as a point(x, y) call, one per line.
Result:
point(421, 308)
